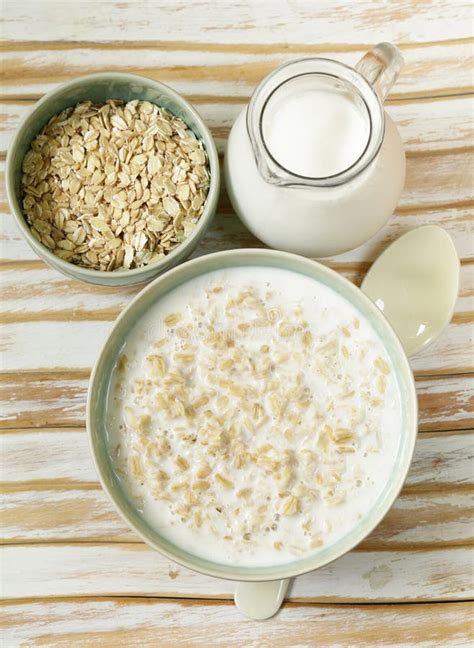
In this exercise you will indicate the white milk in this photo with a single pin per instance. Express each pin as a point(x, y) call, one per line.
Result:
point(315, 131)
point(338, 384)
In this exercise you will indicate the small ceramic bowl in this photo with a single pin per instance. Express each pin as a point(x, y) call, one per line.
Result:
point(253, 596)
point(98, 88)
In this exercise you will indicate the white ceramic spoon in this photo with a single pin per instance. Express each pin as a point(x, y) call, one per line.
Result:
point(415, 283)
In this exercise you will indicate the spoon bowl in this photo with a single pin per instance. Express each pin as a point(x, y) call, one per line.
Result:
point(415, 283)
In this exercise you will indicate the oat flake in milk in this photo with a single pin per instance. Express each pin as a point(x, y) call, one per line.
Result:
point(254, 416)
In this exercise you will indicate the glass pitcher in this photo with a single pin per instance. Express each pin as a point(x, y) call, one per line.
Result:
point(320, 214)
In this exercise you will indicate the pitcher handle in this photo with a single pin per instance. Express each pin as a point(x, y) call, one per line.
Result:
point(260, 600)
point(381, 67)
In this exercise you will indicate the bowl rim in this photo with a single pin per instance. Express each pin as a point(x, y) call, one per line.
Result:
point(397, 475)
point(95, 276)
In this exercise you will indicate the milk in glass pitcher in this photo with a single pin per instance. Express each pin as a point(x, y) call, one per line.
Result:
point(313, 164)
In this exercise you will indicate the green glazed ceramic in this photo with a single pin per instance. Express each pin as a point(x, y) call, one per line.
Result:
point(98, 88)
point(100, 380)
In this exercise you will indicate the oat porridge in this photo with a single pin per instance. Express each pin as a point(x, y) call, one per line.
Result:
point(253, 416)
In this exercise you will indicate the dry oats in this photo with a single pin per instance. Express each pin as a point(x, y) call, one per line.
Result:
point(114, 186)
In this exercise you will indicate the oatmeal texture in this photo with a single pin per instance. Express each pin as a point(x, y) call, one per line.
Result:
point(114, 186)
point(251, 423)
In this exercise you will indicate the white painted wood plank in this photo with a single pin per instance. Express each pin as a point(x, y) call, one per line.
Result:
point(264, 22)
point(27, 292)
point(437, 180)
point(51, 399)
point(448, 399)
point(146, 622)
point(46, 455)
point(198, 71)
point(75, 344)
point(416, 520)
point(434, 125)
point(421, 520)
point(136, 570)
point(450, 352)
point(429, 125)
point(227, 232)
point(63, 515)
point(437, 458)
point(72, 320)
point(71, 344)
point(440, 459)
point(43, 400)
point(56, 495)
point(32, 290)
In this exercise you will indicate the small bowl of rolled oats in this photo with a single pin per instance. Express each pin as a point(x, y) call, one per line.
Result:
point(113, 178)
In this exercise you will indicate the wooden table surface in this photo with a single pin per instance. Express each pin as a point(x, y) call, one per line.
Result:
point(73, 574)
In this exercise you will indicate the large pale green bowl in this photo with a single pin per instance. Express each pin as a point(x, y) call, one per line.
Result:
point(100, 380)
point(98, 88)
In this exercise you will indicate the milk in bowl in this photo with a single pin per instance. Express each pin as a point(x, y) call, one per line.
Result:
point(253, 417)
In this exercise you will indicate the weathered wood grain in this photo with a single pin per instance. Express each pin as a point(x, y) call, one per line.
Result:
point(443, 400)
point(87, 623)
point(58, 399)
point(247, 22)
point(227, 232)
point(223, 74)
point(57, 497)
point(136, 570)
point(417, 520)
point(436, 458)
point(425, 520)
point(427, 125)
point(435, 180)
point(61, 459)
point(73, 343)
point(450, 353)
point(43, 399)
point(72, 321)
point(50, 490)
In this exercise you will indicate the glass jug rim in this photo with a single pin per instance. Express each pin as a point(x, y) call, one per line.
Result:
point(274, 172)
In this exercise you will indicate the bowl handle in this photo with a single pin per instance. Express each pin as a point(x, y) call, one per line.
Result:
point(260, 600)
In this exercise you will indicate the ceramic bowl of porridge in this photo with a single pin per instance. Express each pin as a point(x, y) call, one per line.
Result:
point(252, 416)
